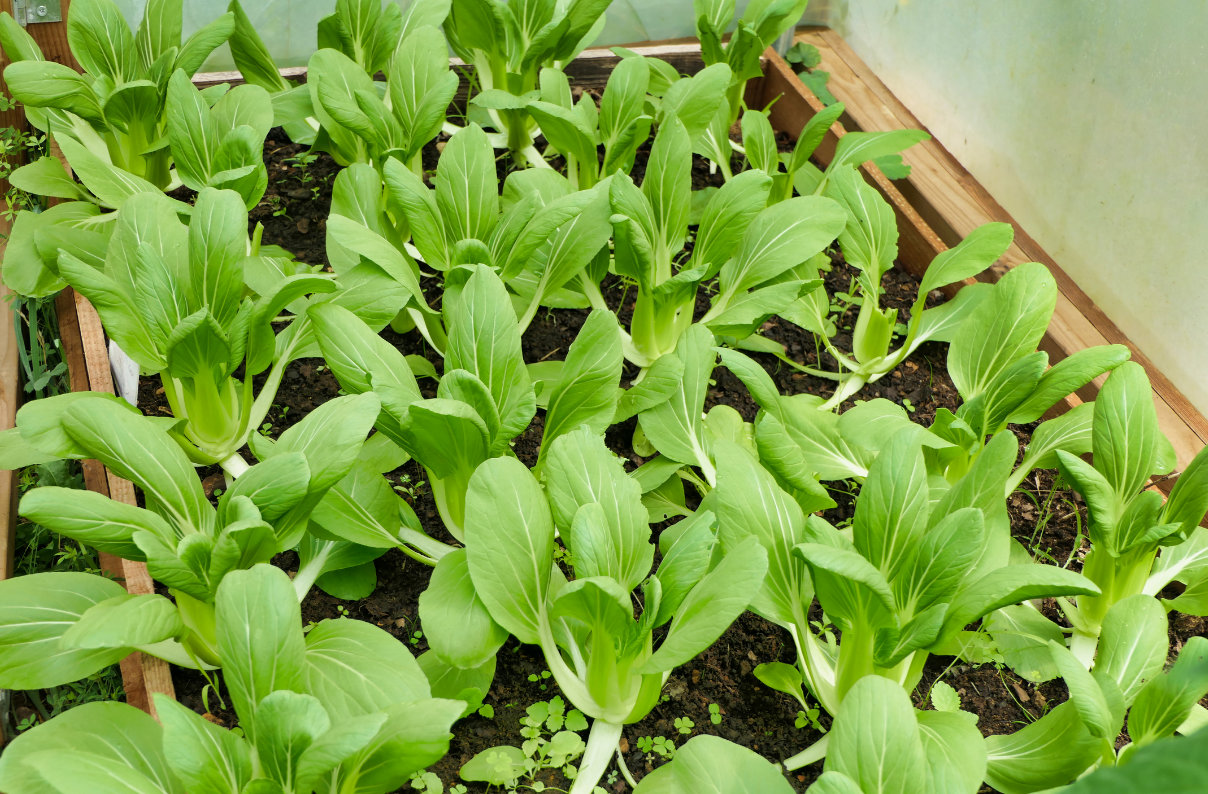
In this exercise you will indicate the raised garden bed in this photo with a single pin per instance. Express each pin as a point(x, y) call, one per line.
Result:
point(750, 714)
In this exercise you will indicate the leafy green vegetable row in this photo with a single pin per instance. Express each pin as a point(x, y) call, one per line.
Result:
point(190, 295)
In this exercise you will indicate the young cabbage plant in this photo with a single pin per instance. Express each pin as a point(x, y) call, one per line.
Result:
point(621, 124)
point(759, 142)
point(172, 297)
point(997, 370)
point(546, 235)
point(915, 569)
point(711, 765)
point(1128, 523)
point(880, 743)
point(361, 123)
point(186, 543)
point(218, 146)
point(508, 44)
point(751, 246)
point(1128, 679)
point(484, 400)
point(603, 659)
point(761, 23)
point(116, 109)
point(870, 243)
point(343, 707)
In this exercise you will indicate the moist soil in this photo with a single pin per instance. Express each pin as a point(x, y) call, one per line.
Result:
point(1049, 519)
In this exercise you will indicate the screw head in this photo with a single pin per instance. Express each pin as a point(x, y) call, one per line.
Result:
point(41, 11)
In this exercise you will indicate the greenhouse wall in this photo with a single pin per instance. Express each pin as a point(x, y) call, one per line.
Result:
point(1086, 121)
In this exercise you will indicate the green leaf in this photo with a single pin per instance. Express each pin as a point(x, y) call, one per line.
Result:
point(35, 612)
point(206, 757)
point(355, 669)
point(980, 249)
point(458, 627)
point(675, 426)
point(1022, 635)
point(91, 518)
point(695, 100)
point(251, 55)
point(712, 765)
point(484, 340)
point(892, 513)
point(1027, 761)
point(47, 177)
point(1133, 644)
point(955, 751)
point(662, 379)
point(495, 766)
point(1164, 703)
point(709, 609)
point(124, 622)
point(415, 735)
point(1172, 767)
point(455, 683)
point(579, 471)
point(1010, 585)
point(749, 502)
point(727, 218)
point(685, 560)
point(781, 236)
point(1070, 432)
point(510, 544)
point(782, 677)
point(586, 390)
point(760, 142)
point(856, 148)
point(136, 449)
point(1006, 326)
point(1125, 430)
point(466, 186)
point(204, 41)
point(875, 739)
point(870, 238)
point(256, 663)
point(287, 725)
point(1188, 500)
point(1066, 377)
point(1085, 693)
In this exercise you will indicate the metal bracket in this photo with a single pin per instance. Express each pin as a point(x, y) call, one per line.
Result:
point(30, 12)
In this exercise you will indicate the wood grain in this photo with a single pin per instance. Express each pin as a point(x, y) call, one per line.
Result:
point(953, 203)
point(142, 675)
point(10, 400)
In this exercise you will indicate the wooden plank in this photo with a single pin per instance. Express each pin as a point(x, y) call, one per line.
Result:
point(10, 400)
point(954, 203)
point(142, 675)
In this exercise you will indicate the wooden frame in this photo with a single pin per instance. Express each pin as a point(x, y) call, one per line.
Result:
point(935, 207)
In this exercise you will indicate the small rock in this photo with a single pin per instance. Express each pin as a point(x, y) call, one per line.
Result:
point(440, 146)
point(298, 193)
point(400, 622)
point(751, 656)
point(624, 745)
point(213, 481)
point(208, 717)
point(696, 676)
point(304, 225)
point(1023, 695)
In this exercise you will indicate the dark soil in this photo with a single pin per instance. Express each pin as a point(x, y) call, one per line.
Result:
point(751, 714)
